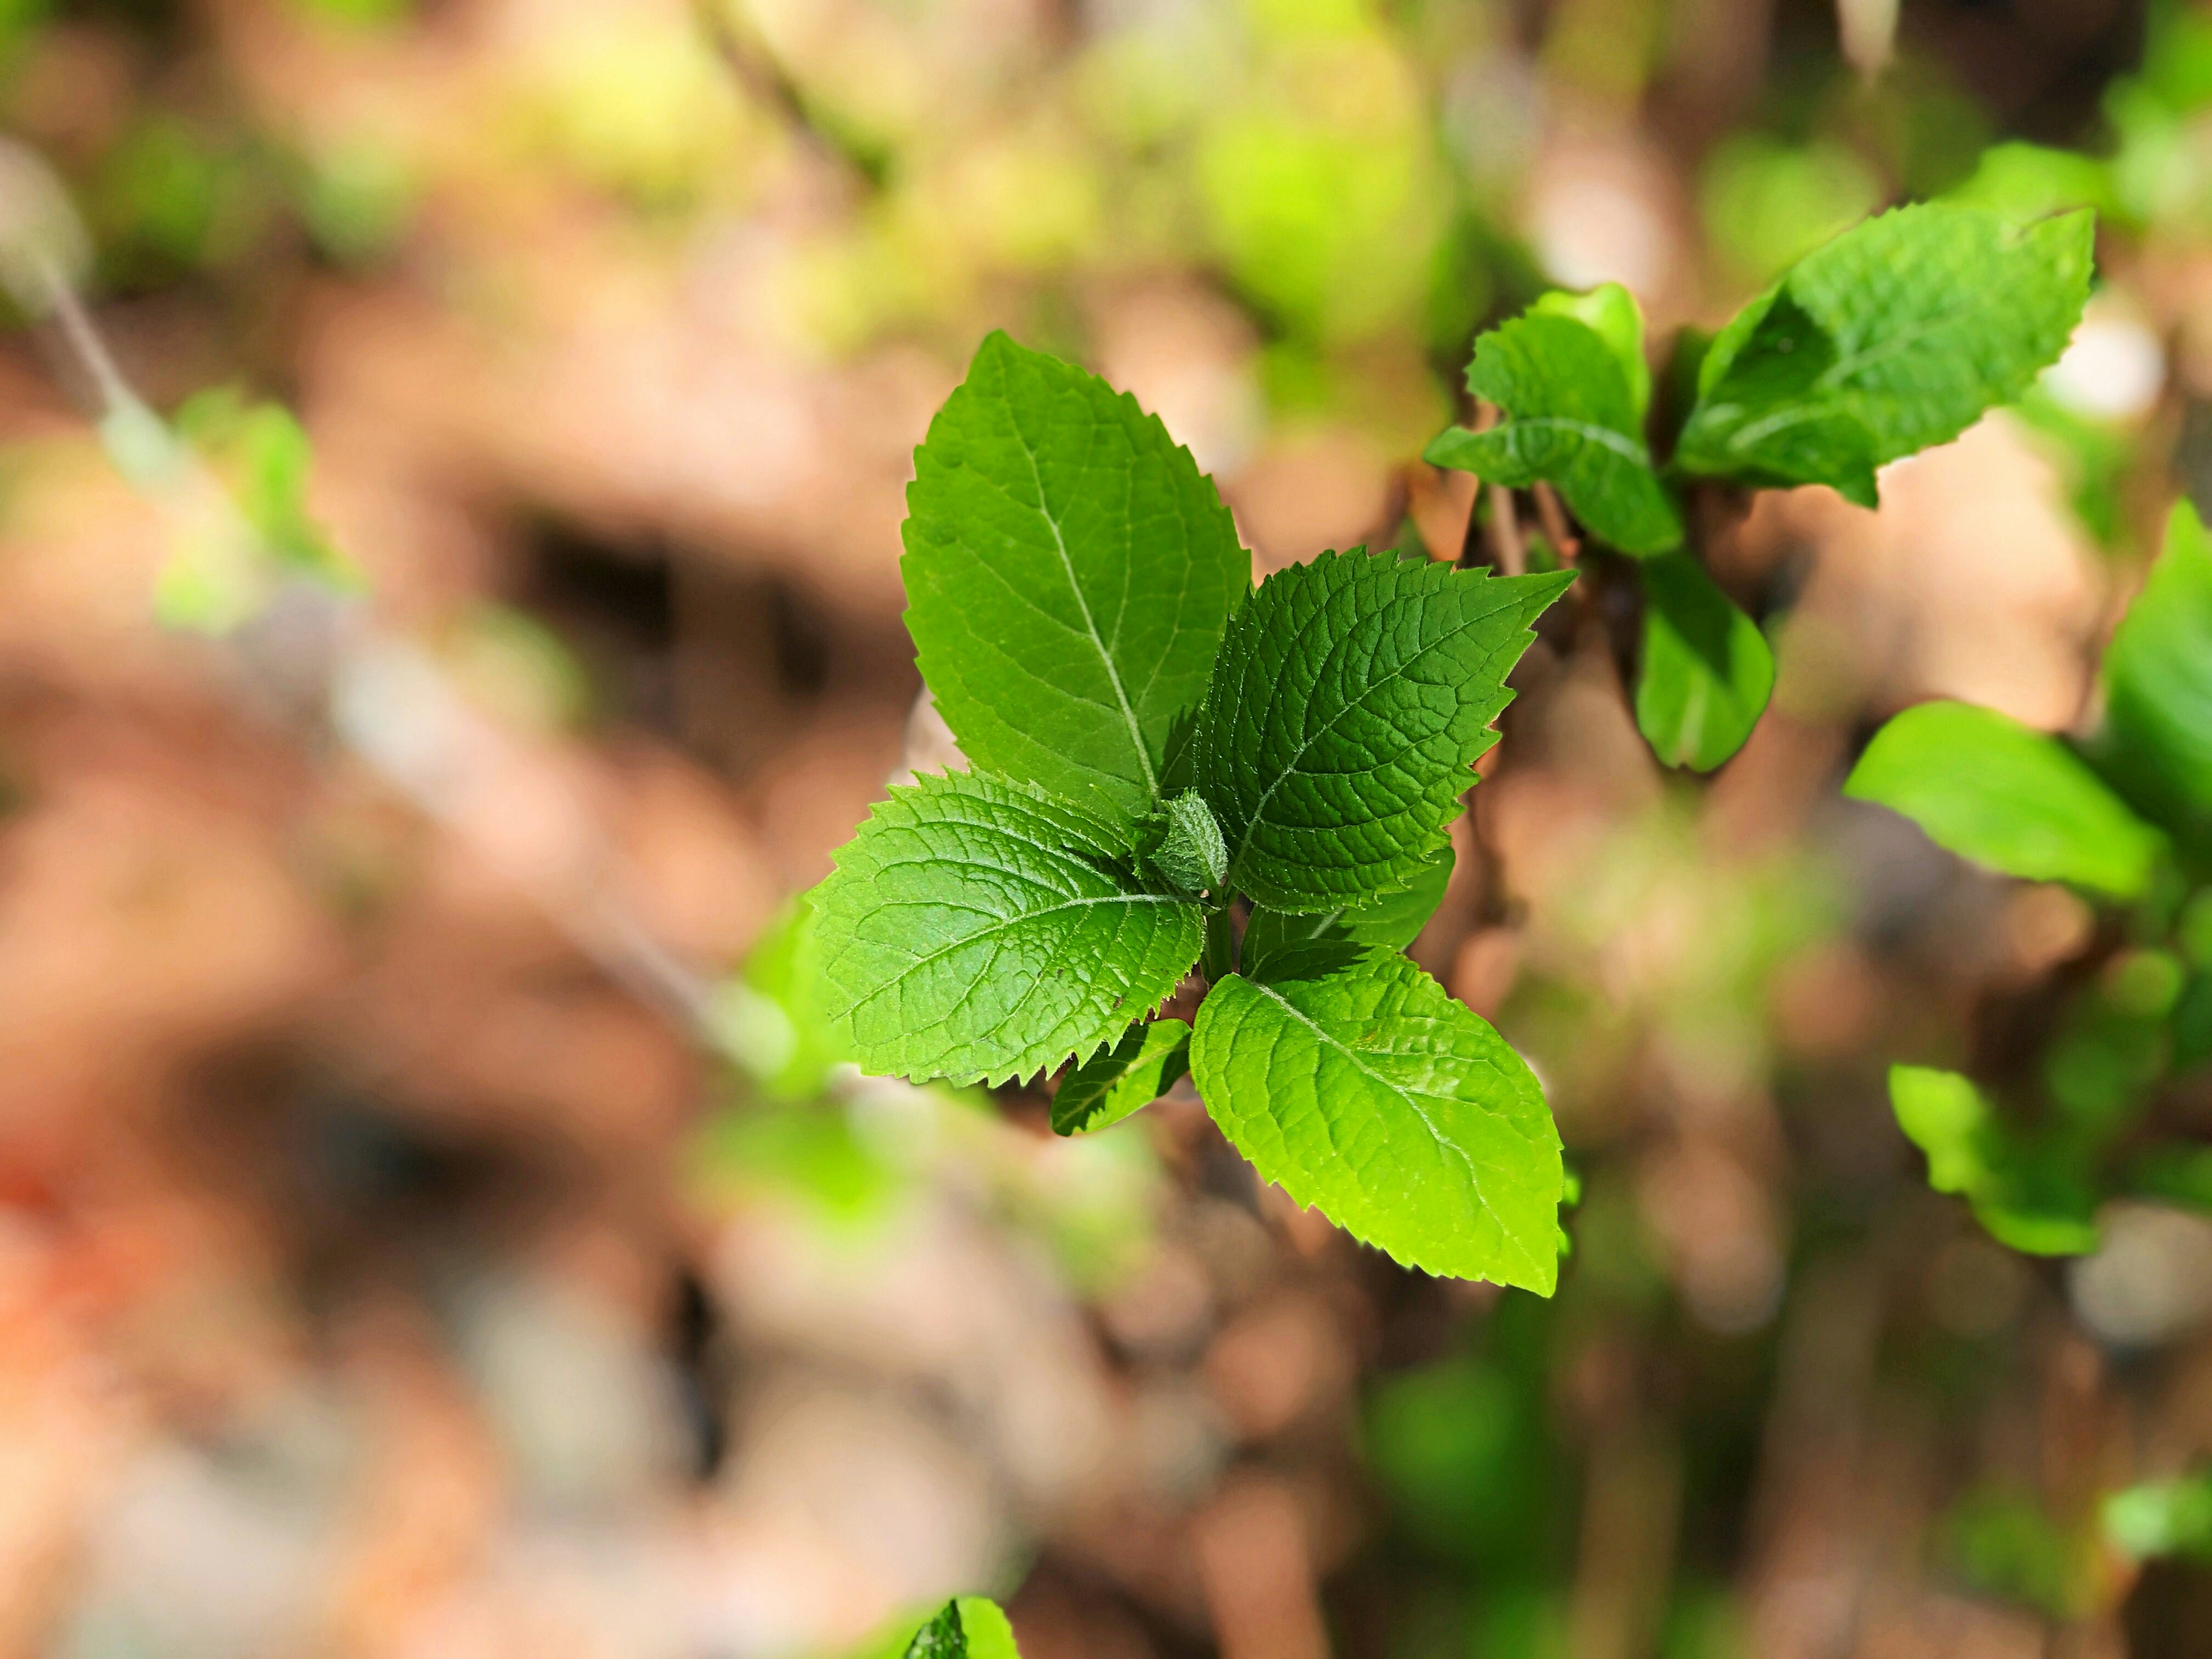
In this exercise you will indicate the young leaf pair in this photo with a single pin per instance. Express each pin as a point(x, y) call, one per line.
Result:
point(2127, 819)
point(1151, 739)
point(1896, 336)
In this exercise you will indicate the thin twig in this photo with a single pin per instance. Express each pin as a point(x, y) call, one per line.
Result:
point(1553, 518)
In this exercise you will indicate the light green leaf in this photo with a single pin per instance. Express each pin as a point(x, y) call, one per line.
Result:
point(1125, 1078)
point(1353, 1083)
point(2158, 681)
point(769, 1015)
point(2162, 1518)
point(968, 1628)
point(976, 927)
point(1895, 337)
point(1573, 415)
point(1068, 573)
point(1391, 922)
point(1349, 699)
point(1707, 669)
point(1610, 312)
point(1990, 789)
point(1191, 852)
point(2036, 1206)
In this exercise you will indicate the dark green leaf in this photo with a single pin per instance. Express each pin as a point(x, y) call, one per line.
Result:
point(2158, 681)
point(1352, 696)
point(1391, 922)
point(1125, 1078)
point(1707, 671)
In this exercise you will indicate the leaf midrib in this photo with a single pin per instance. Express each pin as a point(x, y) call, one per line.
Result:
point(1324, 1035)
point(1090, 624)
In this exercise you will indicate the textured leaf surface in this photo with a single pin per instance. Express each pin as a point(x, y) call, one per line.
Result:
point(2158, 680)
point(1125, 1078)
point(1068, 573)
point(1707, 669)
point(1571, 416)
point(977, 928)
point(2036, 1206)
point(1191, 853)
point(1896, 336)
point(1353, 1083)
point(1391, 920)
point(969, 1628)
point(1350, 697)
point(1990, 789)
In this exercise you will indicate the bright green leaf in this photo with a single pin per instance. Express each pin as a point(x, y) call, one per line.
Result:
point(1572, 415)
point(1707, 669)
point(1068, 573)
point(2034, 1204)
point(976, 927)
point(1610, 312)
point(1125, 1078)
point(2158, 680)
point(1350, 697)
point(1895, 337)
point(1355, 1084)
point(1990, 789)
point(2162, 1518)
point(1391, 922)
point(968, 1628)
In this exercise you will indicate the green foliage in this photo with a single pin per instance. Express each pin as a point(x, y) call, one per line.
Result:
point(1391, 920)
point(1352, 696)
point(1355, 1084)
point(1766, 204)
point(1896, 336)
point(977, 928)
point(2158, 683)
point(1571, 383)
point(1990, 789)
point(1127, 1078)
point(1069, 571)
point(1075, 586)
point(2039, 1205)
point(1707, 671)
point(2162, 1518)
point(968, 1627)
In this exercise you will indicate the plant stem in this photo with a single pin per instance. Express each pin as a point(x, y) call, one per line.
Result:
point(1220, 958)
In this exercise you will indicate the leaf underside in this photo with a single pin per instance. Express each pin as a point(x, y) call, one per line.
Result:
point(976, 929)
point(1895, 337)
point(1125, 1078)
point(1068, 573)
point(1350, 696)
point(1707, 671)
point(1353, 1082)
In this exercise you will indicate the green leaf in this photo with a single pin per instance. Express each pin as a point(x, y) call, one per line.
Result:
point(968, 1628)
point(1991, 790)
point(1707, 671)
point(1573, 415)
point(1350, 697)
point(1191, 853)
point(1353, 1083)
point(1610, 312)
point(768, 1017)
point(1068, 574)
point(1391, 922)
point(1896, 336)
point(2158, 681)
point(976, 927)
point(2036, 1206)
point(1125, 1078)
point(2162, 1518)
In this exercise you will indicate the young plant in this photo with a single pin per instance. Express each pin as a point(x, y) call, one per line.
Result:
point(1151, 739)
point(1896, 336)
point(2126, 819)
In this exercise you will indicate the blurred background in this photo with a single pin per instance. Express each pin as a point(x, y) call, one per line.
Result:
point(432, 1221)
